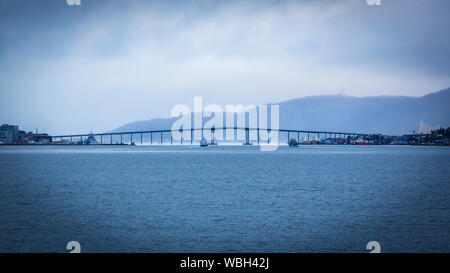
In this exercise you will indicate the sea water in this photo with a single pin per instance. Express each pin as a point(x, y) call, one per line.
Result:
point(224, 198)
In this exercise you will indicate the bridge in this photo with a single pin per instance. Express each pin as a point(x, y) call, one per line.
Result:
point(107, 138)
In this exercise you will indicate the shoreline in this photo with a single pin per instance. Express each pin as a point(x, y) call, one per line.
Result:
point(237, 144)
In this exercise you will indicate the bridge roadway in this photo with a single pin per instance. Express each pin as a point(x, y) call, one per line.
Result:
point(340, 135)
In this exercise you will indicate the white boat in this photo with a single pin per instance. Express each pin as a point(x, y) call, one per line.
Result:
point(91, 140)
point(203, 143)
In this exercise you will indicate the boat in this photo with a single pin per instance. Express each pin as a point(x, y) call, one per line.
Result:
point(292, 142)
point(91, 140)
point(361, 141)
point(203, 143)
point(213, 142)
point(247, 143)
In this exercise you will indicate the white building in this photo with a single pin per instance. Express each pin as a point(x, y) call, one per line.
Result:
point(426, 128)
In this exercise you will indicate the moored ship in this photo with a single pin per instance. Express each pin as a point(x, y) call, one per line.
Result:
point(203, 143)
point(361, 141)
point(292, 142)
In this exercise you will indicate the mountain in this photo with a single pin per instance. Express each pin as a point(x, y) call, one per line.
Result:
point(392, 115)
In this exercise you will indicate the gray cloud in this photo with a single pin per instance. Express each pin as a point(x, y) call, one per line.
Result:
point(105, 63)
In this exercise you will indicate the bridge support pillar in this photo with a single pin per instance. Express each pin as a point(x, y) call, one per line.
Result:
point(247, 135)
point(257, 133)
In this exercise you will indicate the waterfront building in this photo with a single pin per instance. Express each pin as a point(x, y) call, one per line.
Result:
point(9, 134)
point(42, 139)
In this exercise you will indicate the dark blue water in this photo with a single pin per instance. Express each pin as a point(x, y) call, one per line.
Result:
point(225, 199)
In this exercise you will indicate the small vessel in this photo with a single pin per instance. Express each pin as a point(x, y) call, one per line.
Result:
point(292, 142)
point(213, 142)
point(91, 140)
point(247, 143)
point(361, 141)
point(203, 143)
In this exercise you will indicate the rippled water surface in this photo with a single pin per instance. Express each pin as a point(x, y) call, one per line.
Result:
point(224, 199)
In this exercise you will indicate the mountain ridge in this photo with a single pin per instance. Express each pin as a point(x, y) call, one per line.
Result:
point(392, 115)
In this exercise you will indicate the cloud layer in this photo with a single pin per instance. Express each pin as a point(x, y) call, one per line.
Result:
point(75, 68)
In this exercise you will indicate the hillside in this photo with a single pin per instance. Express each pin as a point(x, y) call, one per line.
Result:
point(381, 114)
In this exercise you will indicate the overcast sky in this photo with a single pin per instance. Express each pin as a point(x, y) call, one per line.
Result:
point(73, 69)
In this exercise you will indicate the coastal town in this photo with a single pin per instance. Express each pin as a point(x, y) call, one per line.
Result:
point(12, 135)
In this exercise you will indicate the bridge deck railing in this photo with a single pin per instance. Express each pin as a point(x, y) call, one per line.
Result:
point(211, 129)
